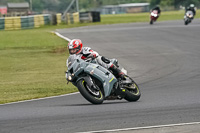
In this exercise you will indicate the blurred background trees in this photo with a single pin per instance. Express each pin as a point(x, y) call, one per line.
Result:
point(174, 3)
point(61, 5)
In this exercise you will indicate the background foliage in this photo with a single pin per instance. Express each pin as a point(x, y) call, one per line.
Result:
point(175, 3)
point(61, 5)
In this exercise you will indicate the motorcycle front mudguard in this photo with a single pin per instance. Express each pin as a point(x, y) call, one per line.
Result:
point(87, 79)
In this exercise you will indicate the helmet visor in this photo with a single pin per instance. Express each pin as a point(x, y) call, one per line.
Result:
point(73, 51)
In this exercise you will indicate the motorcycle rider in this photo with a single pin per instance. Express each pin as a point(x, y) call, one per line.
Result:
point(191, 8)
point(75, 47)
point(157, 8)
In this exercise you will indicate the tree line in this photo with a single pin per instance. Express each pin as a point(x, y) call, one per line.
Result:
point(61, 5)
point(175, 3)
point(84, 5)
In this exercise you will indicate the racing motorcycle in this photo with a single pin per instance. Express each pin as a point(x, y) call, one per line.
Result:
point(188, 17)
point(96, 83)
point(153, 16)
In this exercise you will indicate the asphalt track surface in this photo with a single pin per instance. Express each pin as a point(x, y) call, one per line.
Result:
point(164, 59)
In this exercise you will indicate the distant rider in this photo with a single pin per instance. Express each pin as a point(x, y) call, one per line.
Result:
point(157, 8)
point(191, 8)
point(75, 47)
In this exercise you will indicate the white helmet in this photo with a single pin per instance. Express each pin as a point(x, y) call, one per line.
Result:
point(192, 5)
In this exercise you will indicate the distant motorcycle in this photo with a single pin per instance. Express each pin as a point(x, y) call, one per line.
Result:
point(96, 83)
point(153, 16)
point(189, 15)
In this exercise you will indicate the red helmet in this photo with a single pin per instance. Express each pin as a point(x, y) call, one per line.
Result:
point(75, 46)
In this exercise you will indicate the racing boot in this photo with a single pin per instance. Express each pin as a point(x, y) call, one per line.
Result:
point(117, 72)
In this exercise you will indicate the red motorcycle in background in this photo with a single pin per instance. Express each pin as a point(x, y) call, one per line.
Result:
point(153, 16)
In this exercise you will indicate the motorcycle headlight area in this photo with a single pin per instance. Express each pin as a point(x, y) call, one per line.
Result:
point(189, 15)
point(153, 14)
point(70, 77)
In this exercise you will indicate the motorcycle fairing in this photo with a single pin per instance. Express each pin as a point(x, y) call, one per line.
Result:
point(103, 75)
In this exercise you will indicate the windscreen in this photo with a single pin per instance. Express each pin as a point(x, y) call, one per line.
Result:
point(71, 60)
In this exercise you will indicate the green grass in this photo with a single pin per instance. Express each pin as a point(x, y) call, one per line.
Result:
point(32, 62)
point(32, 65)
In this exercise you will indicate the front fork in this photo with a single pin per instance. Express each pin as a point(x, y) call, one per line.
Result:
point(119, 91)
point(89, 82)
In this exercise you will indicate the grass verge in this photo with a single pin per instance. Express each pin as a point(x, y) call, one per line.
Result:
point(32, 65)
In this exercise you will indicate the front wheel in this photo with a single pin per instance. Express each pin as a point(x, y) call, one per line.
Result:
point(93, 96)
point(186, 22)
point(132, 92)
point(151, 22)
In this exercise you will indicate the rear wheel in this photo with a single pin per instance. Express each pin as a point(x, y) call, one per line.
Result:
point(132, 92)
point(90, 94)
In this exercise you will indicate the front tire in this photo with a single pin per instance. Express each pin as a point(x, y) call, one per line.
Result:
point(186, 23)
point(151, 22)
point(132, 93)
point(93, 96)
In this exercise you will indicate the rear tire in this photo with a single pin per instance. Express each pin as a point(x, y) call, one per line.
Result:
point(132, 93)
point(93, 96)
